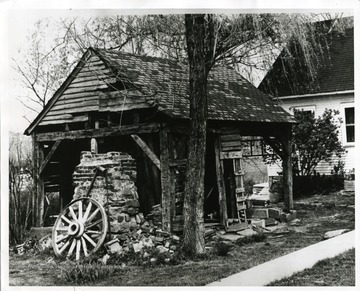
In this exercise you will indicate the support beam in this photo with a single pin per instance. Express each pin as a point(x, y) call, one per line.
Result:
point(165, 180)
point(147, 150)
point(99, 132)
point(38, 198)
point(220, 183)
point(35, 179)
point(287, 171)
point(49, 156)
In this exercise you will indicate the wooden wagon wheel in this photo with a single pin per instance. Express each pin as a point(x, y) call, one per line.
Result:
point(80, 229)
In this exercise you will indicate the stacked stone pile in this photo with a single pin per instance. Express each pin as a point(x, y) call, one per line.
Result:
point(129, 229)
point(155, 216)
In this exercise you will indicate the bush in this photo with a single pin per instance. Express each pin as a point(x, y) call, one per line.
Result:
point(222, 249)
point(87, 273)
point(305, 186)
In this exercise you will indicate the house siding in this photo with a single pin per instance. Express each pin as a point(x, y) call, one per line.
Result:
point(318, 104)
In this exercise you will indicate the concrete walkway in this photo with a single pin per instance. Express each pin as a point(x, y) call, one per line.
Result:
point(287, 265)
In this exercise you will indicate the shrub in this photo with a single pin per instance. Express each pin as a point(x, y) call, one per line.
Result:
point(309, 185)
point(87, 273)
point(222, 249)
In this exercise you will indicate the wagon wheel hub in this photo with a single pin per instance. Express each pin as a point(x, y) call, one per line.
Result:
point(76, 229)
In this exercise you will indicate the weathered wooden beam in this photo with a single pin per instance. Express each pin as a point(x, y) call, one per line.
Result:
point(287, 171)
point(35, 179)
point(230, 155)
point(220, 183)
point(99, 132)
point(147, 150)
point(175, 163)
point(51, 120)
point(39, 185)
point(165, 180)
point(49, 156)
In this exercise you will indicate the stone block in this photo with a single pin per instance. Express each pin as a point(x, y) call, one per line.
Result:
point(122, 237)
point(274, 213)
point(247, 232)
point(114, 247)
point(159, 239)
point(258, 222)
point(117, 227)
point(270, 221)
point(260, 213)
point(133, 203)
point(287, 217)
point(133, 210)
point(148, 242)
point(162, 249)
point(138, 246)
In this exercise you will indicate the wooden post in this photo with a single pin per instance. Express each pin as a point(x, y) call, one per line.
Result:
point(287, 171)
point(220, 183)
point(35, 179)
point(165, 180)
point(38, 184)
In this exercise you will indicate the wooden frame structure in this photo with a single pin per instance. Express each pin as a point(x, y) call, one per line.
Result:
point(154, 133)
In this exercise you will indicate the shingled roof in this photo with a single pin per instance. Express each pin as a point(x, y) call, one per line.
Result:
point(164, 83)
point(231, 97)
point(334, 73)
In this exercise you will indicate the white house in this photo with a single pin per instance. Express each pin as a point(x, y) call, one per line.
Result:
point(332, 88)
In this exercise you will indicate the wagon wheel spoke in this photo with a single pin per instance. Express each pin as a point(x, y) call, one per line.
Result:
point(84, 247)
point(64, 247)
point(87, 212)
point(92, 216)
point(80, 210)
point(78, 247)
point(63, 217)
point(61, 238)
point(80, 229)
point(72, 247)
point(93, 233)
point(72, 212)
point(94, 224)
point(89, 240)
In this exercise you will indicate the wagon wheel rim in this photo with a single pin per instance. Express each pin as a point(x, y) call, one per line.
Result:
point(80, 229)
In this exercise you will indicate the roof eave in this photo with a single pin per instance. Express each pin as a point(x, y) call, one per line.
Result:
point(58, 92)
point(314, 95)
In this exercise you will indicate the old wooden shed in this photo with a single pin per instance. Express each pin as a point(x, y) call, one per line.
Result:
point(139, 105)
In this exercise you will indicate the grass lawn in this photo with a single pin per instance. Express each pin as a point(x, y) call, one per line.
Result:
point(325, 273)
point(318, 215)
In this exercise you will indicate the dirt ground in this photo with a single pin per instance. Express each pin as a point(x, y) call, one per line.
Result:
point(317, 215)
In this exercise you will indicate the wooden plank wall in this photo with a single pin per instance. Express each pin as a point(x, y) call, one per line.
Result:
point(94, 88)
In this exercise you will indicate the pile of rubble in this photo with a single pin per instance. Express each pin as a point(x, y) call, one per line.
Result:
point(116, 191)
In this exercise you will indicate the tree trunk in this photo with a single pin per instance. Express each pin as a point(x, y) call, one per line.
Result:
point(194, 241)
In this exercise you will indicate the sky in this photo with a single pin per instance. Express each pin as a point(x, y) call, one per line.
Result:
point(20, 22)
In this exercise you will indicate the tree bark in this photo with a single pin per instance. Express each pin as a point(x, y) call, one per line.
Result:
point(194, 241)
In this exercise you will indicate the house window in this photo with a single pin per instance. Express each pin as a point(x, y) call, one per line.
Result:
point(350, 124)
point(307, 108)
